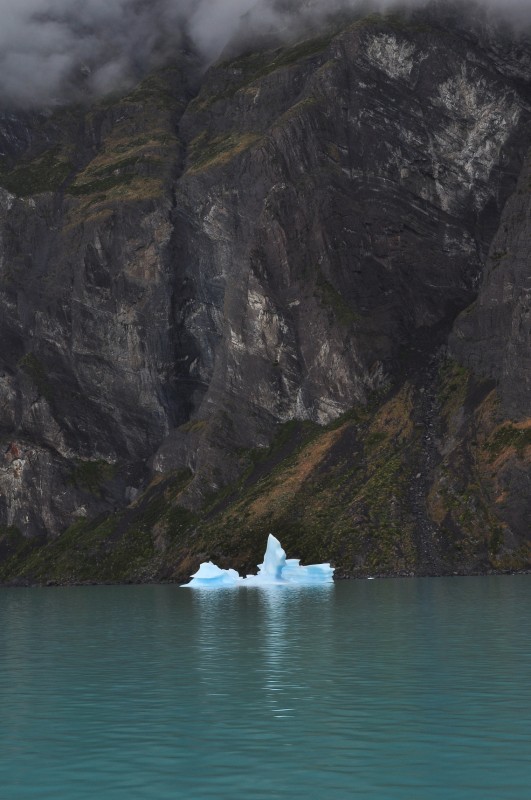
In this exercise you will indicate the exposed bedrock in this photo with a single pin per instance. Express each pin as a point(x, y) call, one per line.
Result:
point(493, 336)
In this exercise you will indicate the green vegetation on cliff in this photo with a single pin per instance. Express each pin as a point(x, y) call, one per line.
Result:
point(31, 365)
point(47, 172)
point(139, 152)
point(92, 475)
point(343, 493)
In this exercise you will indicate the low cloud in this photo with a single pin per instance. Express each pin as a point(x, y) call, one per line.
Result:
point(52, 51)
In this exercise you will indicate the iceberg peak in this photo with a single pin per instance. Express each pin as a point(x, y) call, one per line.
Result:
point(274, 560)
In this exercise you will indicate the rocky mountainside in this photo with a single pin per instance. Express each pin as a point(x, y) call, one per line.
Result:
point(289, 294)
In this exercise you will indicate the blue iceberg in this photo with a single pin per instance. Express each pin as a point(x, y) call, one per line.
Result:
point(276, 569)
point(209, 574)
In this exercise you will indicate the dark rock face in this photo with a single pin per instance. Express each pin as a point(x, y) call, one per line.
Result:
point(493, 336)
point(336, 207)
point(86, 302)
point(274, 241)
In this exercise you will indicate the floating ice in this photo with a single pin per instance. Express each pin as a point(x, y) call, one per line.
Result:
point(209, 574)
point(275, 570)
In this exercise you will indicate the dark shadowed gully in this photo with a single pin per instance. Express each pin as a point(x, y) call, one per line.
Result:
point(289, 294)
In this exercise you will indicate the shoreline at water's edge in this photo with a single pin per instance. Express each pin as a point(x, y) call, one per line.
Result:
point(337, 579)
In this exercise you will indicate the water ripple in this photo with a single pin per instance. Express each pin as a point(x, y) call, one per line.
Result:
point(383, 689)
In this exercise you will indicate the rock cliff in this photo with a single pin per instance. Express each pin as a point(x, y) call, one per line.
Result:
point(287, 294)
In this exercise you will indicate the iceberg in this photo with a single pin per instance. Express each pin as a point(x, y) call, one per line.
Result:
point(209, 575)
point(275, 570)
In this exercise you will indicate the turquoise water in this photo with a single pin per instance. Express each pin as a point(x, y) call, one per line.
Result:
point(377, 689)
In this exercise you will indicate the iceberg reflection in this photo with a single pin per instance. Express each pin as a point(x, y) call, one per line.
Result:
point(276, 569)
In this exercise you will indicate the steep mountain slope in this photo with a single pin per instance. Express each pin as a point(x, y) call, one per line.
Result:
point(86, 302)
point(226, 300)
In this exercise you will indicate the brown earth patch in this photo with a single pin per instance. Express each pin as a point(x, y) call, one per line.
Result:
point(291, 481)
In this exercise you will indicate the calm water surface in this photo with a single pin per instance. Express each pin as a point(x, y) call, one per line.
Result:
point(379, 689)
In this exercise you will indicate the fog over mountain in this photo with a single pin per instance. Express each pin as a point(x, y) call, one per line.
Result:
point(52, 51)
